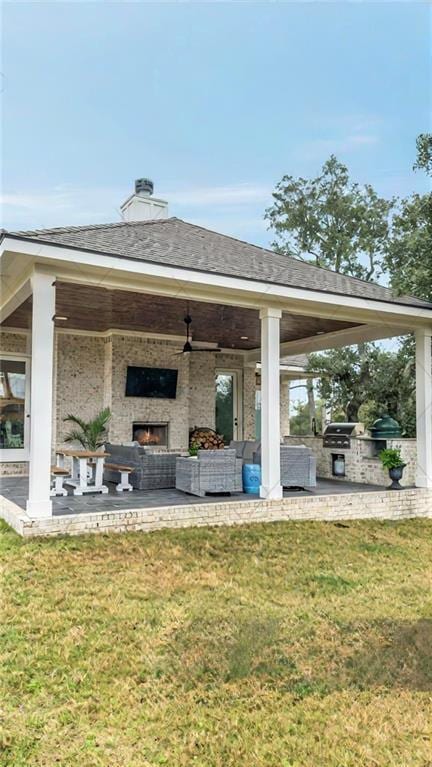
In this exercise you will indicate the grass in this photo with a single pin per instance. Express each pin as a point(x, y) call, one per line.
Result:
point(282, 645)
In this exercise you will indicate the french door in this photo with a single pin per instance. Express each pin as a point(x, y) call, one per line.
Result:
point(14, 408)
point(228, 404)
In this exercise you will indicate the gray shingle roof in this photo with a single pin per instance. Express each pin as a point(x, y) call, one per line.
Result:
point(173, 242)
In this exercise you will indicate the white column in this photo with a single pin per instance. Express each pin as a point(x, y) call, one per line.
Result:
point(270, 397)
point(424, 407)
point(41, 404)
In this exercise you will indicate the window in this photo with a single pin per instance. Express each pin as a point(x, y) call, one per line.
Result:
point(13, 391)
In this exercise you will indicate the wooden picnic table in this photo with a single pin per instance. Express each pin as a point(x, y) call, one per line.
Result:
point(81, 459)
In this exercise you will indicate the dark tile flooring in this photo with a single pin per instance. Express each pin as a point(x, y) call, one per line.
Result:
point(15, 489)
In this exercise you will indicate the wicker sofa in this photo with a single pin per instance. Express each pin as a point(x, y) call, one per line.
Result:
point(212, 471)
point(151, 470)
point(298, 464)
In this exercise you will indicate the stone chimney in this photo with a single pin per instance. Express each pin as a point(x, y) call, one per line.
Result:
point(142, 206)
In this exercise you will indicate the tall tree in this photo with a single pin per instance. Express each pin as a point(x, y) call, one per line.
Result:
point(331, 221)
point(364, 384)
point(408, 253)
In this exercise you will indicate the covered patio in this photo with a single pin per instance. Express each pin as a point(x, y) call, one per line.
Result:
point(82, 303)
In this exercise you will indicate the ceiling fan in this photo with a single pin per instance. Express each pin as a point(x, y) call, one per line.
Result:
point(188, 348)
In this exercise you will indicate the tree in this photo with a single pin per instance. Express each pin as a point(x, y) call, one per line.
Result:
point(331, 221)
point(408, 254)
point(364, 384)
point(424, 153)
point(344, 375)
point(300, 421)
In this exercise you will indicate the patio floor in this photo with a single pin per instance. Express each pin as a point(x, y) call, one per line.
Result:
point(15, 490)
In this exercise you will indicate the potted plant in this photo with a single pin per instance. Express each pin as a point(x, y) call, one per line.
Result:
point(193, 449)
point(91, 435)
point(391, 460)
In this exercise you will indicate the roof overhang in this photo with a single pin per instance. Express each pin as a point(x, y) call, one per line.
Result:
point(20, 255)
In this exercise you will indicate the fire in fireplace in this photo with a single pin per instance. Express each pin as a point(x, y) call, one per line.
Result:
point(150, 433)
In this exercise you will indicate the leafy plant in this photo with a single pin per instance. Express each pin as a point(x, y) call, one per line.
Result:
point(91, 435)
point(193, 449)
point(391, 458)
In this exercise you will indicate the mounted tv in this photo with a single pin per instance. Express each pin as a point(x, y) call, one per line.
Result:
point(160, 383)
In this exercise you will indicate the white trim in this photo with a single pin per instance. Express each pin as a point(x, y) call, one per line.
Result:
point(15, 331)
point(333, 340)
point(178, 339)
point(115, 332)
point(185, 279)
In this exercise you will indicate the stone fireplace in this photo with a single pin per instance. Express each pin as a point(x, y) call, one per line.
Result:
point(151, 433)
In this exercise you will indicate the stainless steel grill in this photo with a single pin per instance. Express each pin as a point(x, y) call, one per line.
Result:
point(339, 435)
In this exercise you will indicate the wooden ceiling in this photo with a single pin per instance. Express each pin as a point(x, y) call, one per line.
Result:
point(100, 309)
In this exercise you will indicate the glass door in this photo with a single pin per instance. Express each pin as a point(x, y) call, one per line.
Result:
point(14, 388)
point(227, 405)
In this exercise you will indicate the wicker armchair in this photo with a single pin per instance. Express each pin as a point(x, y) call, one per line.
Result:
point(298, 466)
point(213, 471)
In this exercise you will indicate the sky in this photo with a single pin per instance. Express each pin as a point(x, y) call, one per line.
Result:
point(213, 101)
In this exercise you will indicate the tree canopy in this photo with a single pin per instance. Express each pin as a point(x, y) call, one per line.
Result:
point(364, 382)
point(331, 221)
point(424, 153)
point(335, 223)
point(408, 253)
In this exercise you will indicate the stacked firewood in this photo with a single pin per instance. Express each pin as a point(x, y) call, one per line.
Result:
point(207, 439)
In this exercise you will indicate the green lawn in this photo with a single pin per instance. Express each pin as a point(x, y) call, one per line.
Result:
point(279, 645)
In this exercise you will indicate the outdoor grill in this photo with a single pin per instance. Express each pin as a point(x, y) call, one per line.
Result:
point(339, 435)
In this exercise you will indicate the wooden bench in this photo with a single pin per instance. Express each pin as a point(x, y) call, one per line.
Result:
point(59, 474)
point(124, 472)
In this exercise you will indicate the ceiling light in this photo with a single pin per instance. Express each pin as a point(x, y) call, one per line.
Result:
point(60, 317)
point(244, 338)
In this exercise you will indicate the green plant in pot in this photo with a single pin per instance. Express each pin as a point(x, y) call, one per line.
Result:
point(391, 460)
point(193, 449)
point(91, 435)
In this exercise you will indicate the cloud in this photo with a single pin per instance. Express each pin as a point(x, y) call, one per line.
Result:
point(348, 144)
point(236, 194)
point(60, 205)
point(341, 134)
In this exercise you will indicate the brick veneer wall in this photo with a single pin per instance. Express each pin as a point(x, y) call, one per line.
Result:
point(249, 394)
point(284, 407)
point(79, 380)
point(379, 505)
point(360, 466)
point(13, 469)
point(130, 350)
point(15, 343)
point(90, 373)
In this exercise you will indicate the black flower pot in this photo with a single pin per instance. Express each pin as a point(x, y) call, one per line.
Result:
point(395, 475)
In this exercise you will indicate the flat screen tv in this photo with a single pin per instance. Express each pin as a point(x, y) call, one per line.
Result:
point(151, 382)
